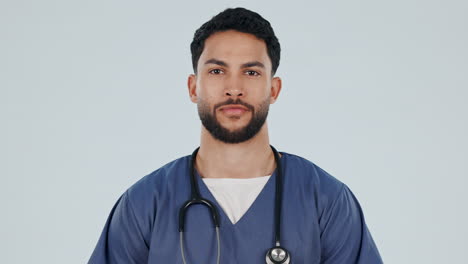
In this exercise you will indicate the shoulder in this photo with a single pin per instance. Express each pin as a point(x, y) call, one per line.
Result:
point(143, 195)
point(343, 232)
point(311, 171)
point(324, 187)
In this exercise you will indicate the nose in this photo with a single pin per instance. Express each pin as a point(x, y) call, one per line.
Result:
point(234, 93)
point(234, 87)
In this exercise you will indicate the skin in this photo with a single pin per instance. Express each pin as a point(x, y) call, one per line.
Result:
point(234, 65)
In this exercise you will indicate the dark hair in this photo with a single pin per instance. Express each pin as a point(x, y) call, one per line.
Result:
point(242, 20)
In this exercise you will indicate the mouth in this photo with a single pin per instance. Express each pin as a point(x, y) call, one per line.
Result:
point(234, 109)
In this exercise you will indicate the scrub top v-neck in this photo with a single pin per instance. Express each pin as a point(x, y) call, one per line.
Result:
point(208, 194)
point(235, 196)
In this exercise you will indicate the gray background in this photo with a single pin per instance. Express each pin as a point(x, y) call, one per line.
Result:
point(93, 97)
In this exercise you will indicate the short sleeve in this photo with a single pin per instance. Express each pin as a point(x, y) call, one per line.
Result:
point(121, 240)
point(345, 237)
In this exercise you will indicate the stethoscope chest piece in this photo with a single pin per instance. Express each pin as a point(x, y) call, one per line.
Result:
point(277, 255)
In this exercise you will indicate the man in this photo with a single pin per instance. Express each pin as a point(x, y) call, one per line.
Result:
point(268, 207)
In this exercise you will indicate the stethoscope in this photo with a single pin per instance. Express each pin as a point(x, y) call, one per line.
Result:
point(275, 255)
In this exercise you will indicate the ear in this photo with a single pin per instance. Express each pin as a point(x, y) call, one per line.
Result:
point(276, 85)
point(192, 87)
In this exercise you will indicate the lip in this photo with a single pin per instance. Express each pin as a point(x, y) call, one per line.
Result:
point(234, 110)
point(234, 107)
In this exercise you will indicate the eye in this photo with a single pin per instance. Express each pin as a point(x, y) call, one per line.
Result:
point(252, 73)
point(216, 71)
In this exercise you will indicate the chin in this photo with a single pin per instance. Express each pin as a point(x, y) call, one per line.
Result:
point(235, 127)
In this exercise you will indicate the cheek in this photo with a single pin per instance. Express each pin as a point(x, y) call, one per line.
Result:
point(260, 85)
point(260, 92)
point(203, 106)
point(209, 86)
point(206, 103)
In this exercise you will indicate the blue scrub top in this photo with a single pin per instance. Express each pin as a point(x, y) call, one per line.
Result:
point(321, 221)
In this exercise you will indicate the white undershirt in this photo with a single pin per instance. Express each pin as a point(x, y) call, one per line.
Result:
point(235, 196)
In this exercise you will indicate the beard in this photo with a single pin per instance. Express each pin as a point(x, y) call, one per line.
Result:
point(211, 123)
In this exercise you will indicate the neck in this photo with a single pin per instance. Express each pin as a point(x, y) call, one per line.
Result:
point(252, 158)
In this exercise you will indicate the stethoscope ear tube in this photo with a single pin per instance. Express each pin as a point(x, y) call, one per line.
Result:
point(196, 197)
point(278, 196)
point(183, 209)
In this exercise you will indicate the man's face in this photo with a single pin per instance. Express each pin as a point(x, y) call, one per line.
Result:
point(233, 87)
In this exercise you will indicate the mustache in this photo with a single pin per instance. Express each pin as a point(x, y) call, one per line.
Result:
point(237, 101)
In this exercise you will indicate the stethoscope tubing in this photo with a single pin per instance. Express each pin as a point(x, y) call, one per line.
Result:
point(196, 198)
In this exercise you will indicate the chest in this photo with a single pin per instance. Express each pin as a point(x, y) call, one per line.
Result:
point(245, 242)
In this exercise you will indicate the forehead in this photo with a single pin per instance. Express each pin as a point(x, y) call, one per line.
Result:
point(235, 47)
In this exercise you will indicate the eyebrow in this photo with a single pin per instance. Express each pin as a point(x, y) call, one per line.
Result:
point(245, 65)
point(217, 62)
point(253, 64)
